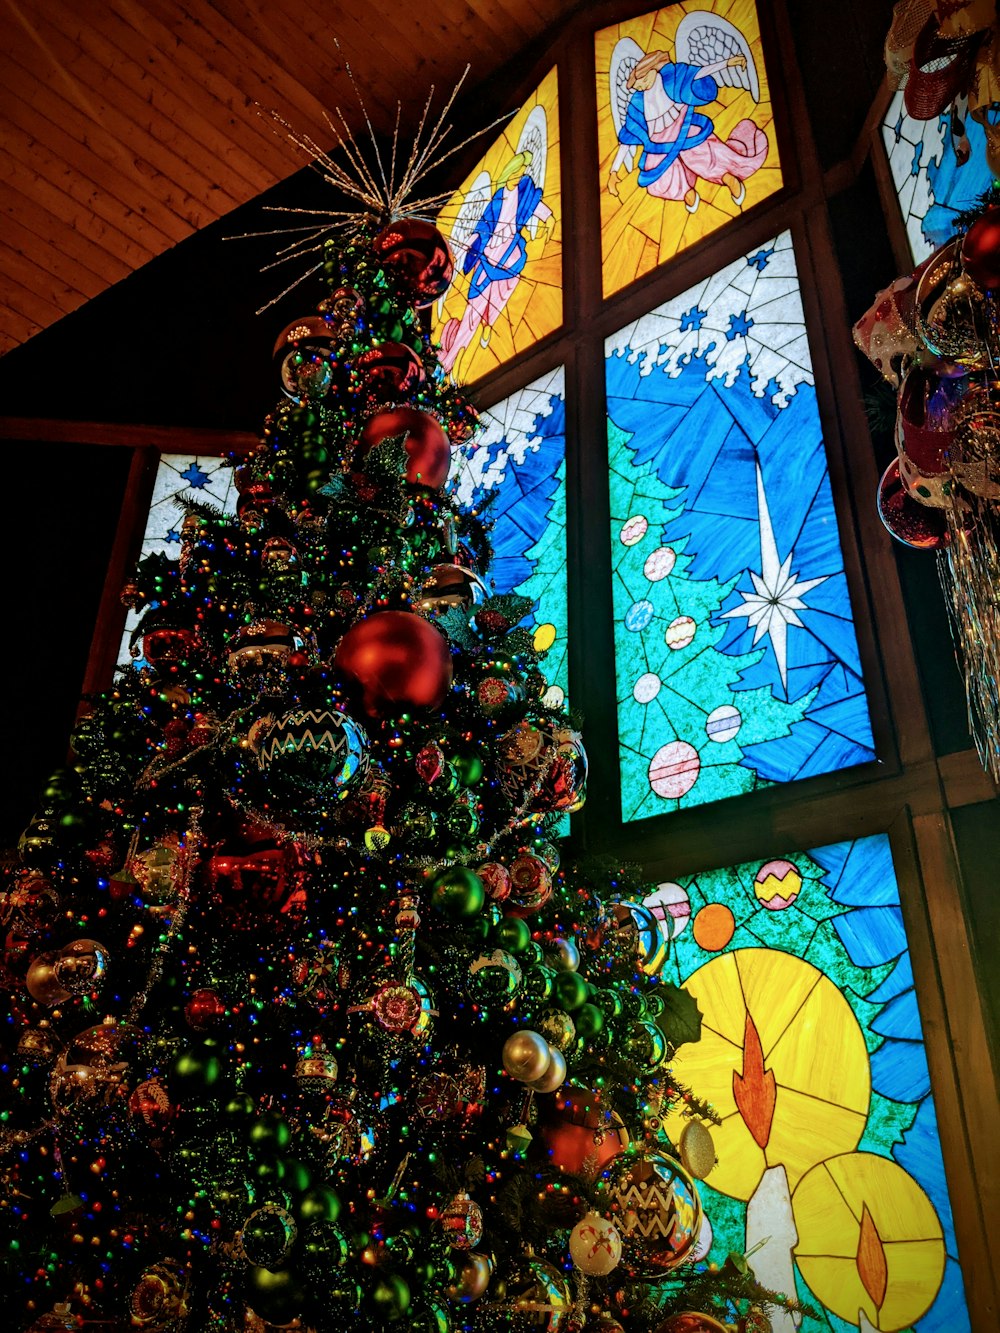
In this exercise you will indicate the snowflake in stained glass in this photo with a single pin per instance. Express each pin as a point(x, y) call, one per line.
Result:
point(724, 529)
point(830, 1174)
point(931, 185)
point(195, 477)
point(518, 462)
point(759, 261)
point(172, 536)
point(691, 319)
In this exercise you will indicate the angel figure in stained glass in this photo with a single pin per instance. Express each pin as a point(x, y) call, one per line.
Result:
point(490, 237)
point(653, 101)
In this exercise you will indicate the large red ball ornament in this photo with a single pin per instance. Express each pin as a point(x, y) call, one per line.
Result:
point(582, 1134)
point(390, 369)
point(398, 660)
point(428, 453)
point(981, 250)
point(913, 524)
point(416, 252)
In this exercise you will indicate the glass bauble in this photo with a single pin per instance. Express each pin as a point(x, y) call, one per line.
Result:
point(656, 1207)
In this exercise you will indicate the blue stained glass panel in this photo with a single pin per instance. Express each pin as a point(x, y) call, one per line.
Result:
point(826, 1113)
point(516, 467)
point(197, 477)
point(737, 661)
point(931, 184)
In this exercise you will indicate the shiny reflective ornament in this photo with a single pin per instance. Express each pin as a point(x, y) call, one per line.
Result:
point(558, 1029)
point(92, 1073)
point(530, 884)
point(691, 1322)
point(462, 1222)
point(563, 953)
point(316, 1067)
point(980, 250)
point(257, 890)
point(390, 369)
point(29, 905)
point(159, 1300)
point(150, 1105)
point(342, 311)
point(920, 526)
point(549, 761)
point(267, 1236)
point(554, 1076)
point(204, 1009)
point(526, 1055)
point(312, 758)
point(414, 253)
point(656, 1207)
point(397, 661)
point(976, 463)
point(448, 587)
point(38, 1046)
point(428, 452)
point(166, 640)
point(495, 975)
point(951, 311)
point(496, 880)
point(158, 872)
point(262, 646)
point(405, 1008)
point(471, 1279)
point(595, 1245)
point(60, 1317)
point(533, 1297)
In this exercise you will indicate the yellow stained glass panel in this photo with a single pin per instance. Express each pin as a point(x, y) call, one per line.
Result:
point(504, 225)
point(685, 131)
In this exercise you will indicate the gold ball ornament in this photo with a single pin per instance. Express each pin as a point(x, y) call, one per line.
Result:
point(595, 1245)
point(471, 1279)
point(158, 1302)
point(533, 1297)
point(697, 1150)
point(951, 311)
point(92, 1073)
point(526, 1055)
point(558, 1029)
point(554, 1076)
point(656, 1207)
point(977, 441)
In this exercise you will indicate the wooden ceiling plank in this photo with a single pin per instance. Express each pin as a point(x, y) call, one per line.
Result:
point(34, 277)
point(80, 217)
point(195, 118)
point(99, 96)
point(15, 329)
point(31, 303)
point(195, 77)
point(59, 124)
point(32, 214)
point(263, 78)
point(46, 251)
point(66, 174)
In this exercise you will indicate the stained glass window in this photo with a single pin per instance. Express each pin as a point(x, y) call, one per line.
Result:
point(932, 187)
point(737, 662)
point(505, 229)
point(208, 479)
point(516, 468)
point(829, 1173)
point(691, 78)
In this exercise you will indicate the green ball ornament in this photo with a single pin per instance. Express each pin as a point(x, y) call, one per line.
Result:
point(609, 1002)
point(195, 1070)
point(321, 1248)
point(294, 1175)
point(240, 1106)
point(539, 983)
point(270, 1134)
point(513, 934)
point(319, 1204)
point(458, 892)
point(390, 1297)
point(589, 1020)
point(495, 976)
point(276, 1296)
point(570, 991)
point(469, 769)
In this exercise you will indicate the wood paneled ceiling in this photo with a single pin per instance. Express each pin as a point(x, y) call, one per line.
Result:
point(126, 125)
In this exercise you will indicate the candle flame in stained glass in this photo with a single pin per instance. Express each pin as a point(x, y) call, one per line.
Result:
point(830, 1174)
point(736, 657)
point(685, 131)
point(932, 186)
point(504, 226)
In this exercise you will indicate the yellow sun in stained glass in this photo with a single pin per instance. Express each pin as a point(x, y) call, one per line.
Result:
point(504, 226)
point(869, 1240)
point(783, 1061)
point(685, 131)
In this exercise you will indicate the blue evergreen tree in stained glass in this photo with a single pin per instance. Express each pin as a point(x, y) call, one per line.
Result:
point(717, 456)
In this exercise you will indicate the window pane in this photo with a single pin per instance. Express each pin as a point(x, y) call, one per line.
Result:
point(812, 1054)
point(693, 81)
point(517, 465)
point(208, 479)
point(932, 188)
point(505, 229)
point(737, 662)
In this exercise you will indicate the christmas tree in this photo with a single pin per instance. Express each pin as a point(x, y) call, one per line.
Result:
point(307, 1026)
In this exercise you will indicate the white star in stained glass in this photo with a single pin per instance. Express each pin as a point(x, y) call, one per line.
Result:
point(777, 594)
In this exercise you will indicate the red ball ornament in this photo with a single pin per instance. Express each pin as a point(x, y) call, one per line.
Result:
point(390, 369)
point(981, 250)
point(204, 1009)
point(415, 251)
point(428, 453)
point(913, 524)
point(257, 890)
point(398, 660)
point(530, 885)
point(582, 1135)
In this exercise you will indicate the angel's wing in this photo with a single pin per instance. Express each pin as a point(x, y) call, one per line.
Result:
point(534, 139)
point(706, 39)
point(624, 58)
point(463, 229)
